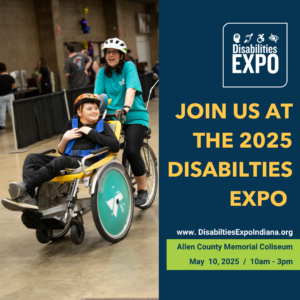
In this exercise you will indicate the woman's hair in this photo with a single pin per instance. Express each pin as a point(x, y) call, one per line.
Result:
point(2, 67)
point(44, 63)
point(119, 67)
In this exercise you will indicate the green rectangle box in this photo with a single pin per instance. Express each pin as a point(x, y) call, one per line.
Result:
point(217, 254)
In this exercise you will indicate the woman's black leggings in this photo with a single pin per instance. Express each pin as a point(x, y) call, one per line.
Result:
point(134, 134)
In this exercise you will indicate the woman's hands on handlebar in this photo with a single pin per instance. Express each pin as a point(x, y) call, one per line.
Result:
point(121, 113)
point(125, 111)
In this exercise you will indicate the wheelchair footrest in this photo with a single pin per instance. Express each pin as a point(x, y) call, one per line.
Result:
point(34, 219)
point(53, 222)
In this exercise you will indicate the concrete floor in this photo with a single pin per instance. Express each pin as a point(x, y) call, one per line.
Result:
point(62, 270)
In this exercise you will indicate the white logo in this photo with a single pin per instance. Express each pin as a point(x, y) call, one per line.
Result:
point(236, 37)
point(260, 38)
point(274, 38)
point(114, 204)
point(122, 82)
point(248, 38)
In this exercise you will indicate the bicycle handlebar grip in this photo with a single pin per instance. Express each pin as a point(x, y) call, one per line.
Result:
point(120, 115)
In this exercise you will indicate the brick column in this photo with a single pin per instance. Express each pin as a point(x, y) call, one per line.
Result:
point(59, 45)
point(111, 17)
point(51, 45)
point(46, 33)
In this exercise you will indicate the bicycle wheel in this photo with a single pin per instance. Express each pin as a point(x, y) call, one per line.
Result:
point(112, 203)
point(150, 161)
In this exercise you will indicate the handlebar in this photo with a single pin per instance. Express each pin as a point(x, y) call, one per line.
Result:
point(121, 115)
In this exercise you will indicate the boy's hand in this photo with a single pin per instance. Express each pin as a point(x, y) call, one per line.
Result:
point(72, 134)
point(85, 130)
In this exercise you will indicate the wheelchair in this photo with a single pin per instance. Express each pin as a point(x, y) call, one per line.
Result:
point(111, 196)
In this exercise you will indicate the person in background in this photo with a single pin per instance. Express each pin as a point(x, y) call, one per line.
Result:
point(130, 57)
point(93, 69)
point(7, 84)
point(76, 66)
point(102, 62)
point(36, 74)
point(155, 70)
point(44, 77)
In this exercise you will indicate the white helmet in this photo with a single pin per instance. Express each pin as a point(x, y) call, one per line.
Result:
point(115, 43)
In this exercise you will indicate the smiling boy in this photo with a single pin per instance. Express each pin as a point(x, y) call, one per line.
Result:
point(89, 134)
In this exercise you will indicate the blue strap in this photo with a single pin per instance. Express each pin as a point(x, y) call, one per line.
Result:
point(82, 153)
point(71, 142)
point(99, 128)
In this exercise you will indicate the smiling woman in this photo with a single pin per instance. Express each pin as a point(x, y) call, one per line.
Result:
point(119, 80)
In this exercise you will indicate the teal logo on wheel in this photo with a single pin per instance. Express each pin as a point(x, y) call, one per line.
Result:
point(114, 204)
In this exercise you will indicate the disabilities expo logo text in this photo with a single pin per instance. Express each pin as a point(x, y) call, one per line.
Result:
point(255, 55)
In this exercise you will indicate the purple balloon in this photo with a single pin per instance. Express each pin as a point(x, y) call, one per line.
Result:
point(91, 52)
point(83, 22)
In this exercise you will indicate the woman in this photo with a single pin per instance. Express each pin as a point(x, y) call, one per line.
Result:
point(7, 84)
point(44, 77)
point(120, 81)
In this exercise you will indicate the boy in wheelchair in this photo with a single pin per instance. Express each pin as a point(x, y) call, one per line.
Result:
point(81, 136)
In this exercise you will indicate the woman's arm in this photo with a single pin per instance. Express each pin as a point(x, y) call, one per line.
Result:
point(39, 78)
point(129, 99)
point(96, 69)
point(88, 64)
point(100, 84)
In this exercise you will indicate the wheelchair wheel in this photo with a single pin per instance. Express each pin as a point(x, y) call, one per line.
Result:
point(151, 174)
point(44, 236)
point(112, 203)
point(76, 237)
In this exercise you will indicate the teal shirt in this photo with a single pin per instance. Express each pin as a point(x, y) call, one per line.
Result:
point(115, 87)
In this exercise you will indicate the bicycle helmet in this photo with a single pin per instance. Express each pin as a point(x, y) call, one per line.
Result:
point(115, 43)
point(86, 98)
point(102, 101)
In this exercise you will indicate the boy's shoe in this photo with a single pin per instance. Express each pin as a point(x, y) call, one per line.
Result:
point(2, 128)
point(20, 204)
point(17, 189)
point(141, 198)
